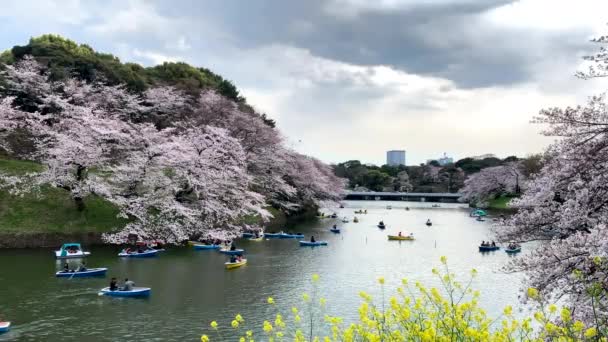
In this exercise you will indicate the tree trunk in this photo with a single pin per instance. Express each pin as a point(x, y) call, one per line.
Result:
point(79, 203)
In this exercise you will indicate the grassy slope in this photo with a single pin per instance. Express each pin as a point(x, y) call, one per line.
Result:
point(52, 210)
point(500, 203)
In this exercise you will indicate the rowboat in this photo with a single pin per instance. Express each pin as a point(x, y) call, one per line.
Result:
point(272, 235)
point(488, 248)
point(345, 220)
point(478, 213)
point(401, 238)
point(290, 236)
point(231, 265)
point(5, 327)
point(335, 230)
point(201, 246)
point(91, 272)
point(355, 220)
point(429, 224)
point(381, 226)
point(261, 238)
point(144, 254)
point(135, 292)
point(513, 251)
point(234, 252)
point(71, 250)
point(312, 244)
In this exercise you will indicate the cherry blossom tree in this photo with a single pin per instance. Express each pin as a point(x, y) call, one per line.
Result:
point(565, 207)
point(491, 182)
point(174, 165)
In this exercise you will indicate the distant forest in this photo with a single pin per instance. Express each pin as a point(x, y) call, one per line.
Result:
point(430, 177)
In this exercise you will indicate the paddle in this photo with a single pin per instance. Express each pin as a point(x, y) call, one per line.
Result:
point(72, 275)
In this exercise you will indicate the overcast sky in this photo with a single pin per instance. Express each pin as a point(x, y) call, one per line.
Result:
point(350, 79)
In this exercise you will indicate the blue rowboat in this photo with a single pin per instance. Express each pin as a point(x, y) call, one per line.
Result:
point(206, 247)
point(234, 252)
point(135, 292)
point(336, 230)
point(312, 244)
point(290, 236)
point(513, 251)
point(5, 327)
point(488, 248)
point(145, 254)
point(91, 272)
point(272, 235)
point(247, 235)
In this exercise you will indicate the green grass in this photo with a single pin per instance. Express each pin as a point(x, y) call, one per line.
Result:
point(19, 167)
point(51, 210)
point(501, 202)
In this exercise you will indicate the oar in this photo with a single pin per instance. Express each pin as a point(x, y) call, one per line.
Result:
point(72, 275)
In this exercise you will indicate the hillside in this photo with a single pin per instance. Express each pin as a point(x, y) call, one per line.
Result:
point(64, 57)
point(174, 148)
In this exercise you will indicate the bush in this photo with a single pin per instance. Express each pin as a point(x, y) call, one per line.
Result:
point(416, 313)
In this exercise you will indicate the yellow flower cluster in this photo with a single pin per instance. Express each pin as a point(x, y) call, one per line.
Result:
point(451, 313)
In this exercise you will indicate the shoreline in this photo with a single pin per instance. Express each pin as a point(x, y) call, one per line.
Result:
point(54, 239)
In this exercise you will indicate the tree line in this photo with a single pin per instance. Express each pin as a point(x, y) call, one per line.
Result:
point(430, 177)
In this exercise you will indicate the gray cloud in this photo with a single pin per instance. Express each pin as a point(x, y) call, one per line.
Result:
point(443, 38)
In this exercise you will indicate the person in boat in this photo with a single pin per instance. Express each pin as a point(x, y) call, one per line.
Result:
point(66, 267)
point(239, 258)
point(128, 285)
point(428, 221)
point(483, 243)
point(400, 235)
point(232, 246)
point(312, 239)
point(335, 226)
point(381, 223)
point(233, 259)
point(113, 284)
point(82, 267)
point(493, 244)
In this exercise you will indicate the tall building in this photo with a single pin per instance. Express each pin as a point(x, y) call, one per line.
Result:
point(395, 157)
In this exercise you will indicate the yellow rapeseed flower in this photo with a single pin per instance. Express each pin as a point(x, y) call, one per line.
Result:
point(532, 293)
point(322, 301)
point(294, 310)
point(270, 300)
point(242, 339)
point(305, 297)
point(565, 315)
point(443, 260)
point(297, 319)
point(249, 333)
point(204, 338)
point(381, 280)
point(591, 332)
point(267, 327)
point(213, 324)
point(315, 277)
point(239, 318)
point(552, 308)
point(508, 310)
point(235, 324)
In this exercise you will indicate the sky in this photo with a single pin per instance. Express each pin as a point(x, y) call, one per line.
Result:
point(351, 79)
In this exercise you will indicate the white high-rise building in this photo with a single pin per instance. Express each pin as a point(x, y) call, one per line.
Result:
point(395, 157)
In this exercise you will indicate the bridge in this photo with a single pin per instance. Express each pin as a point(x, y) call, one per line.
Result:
point(404, 196)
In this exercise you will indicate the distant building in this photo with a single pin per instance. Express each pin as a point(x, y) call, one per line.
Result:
point(395, 157)
point(443, 161)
